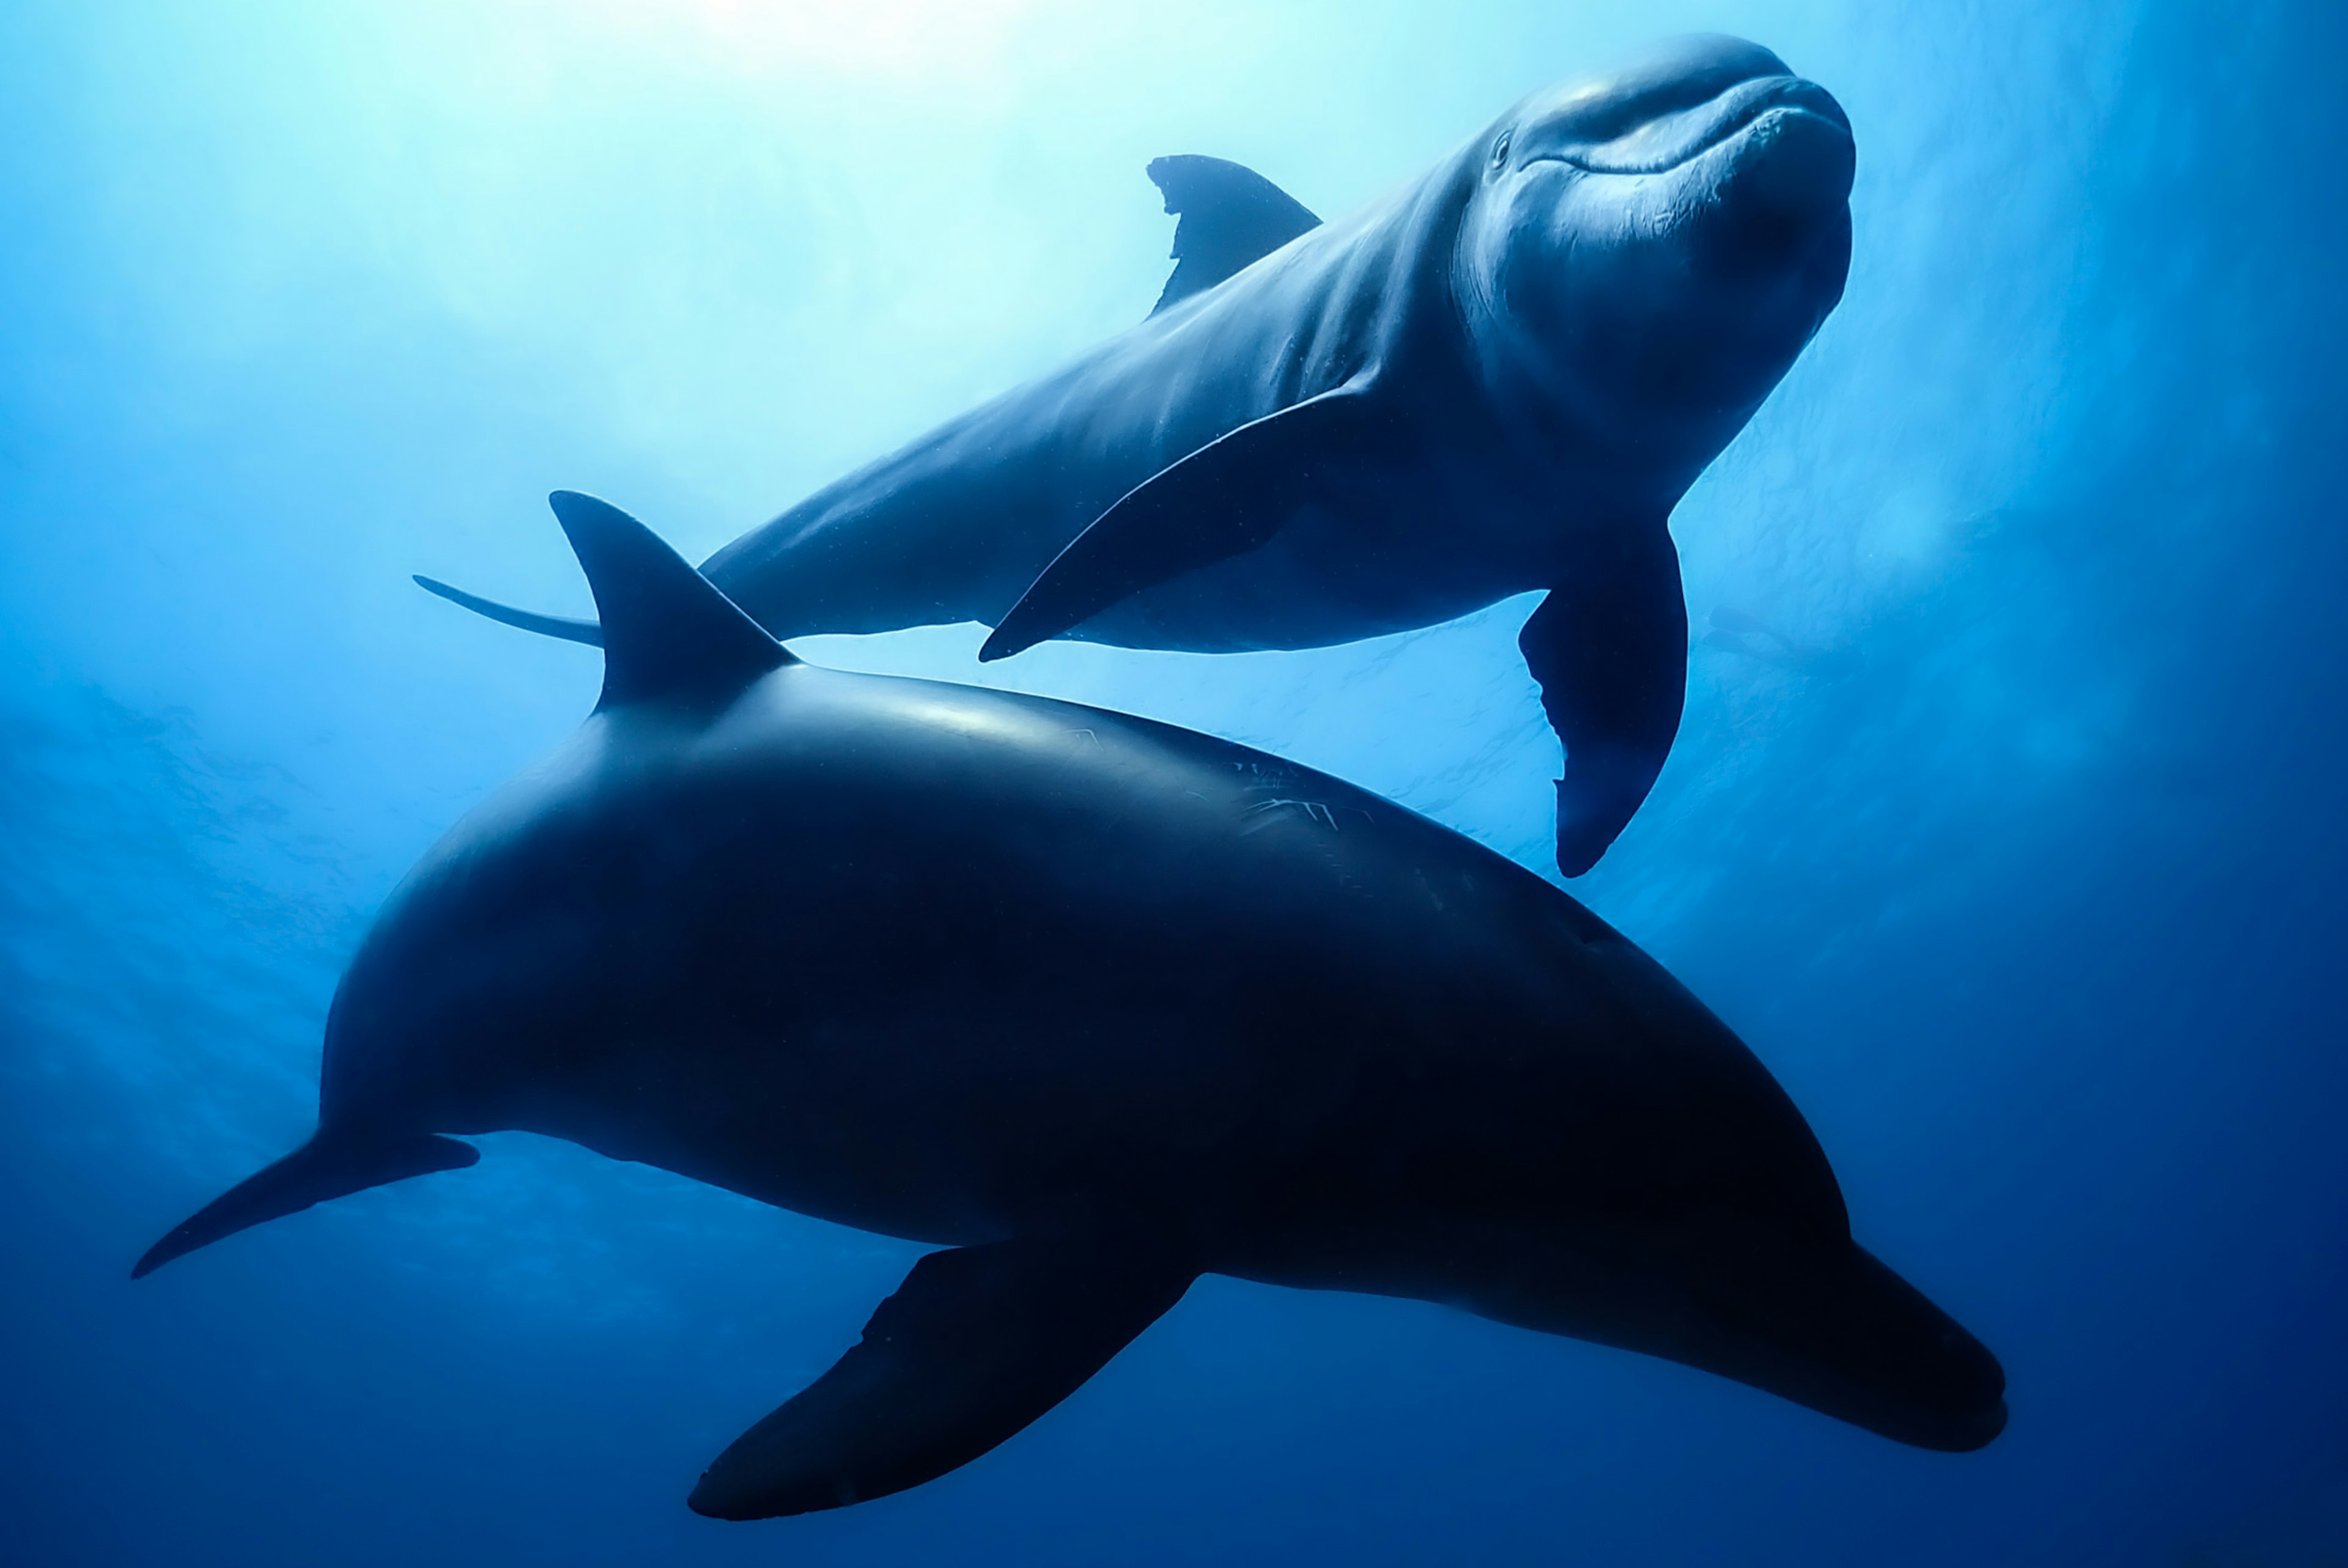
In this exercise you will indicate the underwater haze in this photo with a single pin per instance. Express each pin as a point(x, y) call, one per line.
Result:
point(2005, 823)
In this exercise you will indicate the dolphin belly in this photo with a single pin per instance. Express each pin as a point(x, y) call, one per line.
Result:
point(1815, 1319)
point(1325, 580)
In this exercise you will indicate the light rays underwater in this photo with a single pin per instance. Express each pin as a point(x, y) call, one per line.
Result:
point(2002, 822)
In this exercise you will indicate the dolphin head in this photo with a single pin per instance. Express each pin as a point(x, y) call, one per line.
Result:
point(1646, 250)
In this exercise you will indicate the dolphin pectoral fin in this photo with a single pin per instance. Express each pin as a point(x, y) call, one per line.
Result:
point(561, 626)
point(327, 1166)
point(1229, 217)
point(1223, 500)
point(1609, 651)
point(976, 1343)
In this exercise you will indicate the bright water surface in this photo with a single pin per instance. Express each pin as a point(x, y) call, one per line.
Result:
point(2016, 851)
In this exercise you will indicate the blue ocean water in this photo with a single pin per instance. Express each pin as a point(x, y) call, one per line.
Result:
point(2004, 824)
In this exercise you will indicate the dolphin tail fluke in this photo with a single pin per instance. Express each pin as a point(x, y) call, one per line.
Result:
point(562, 626)
point(327, 1166)
point(976, 1343)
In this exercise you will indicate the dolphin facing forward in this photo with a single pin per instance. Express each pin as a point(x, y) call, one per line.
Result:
point(1099, 1005)
point(1500, 378)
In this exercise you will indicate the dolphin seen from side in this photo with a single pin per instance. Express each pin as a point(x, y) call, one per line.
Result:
point(1500, 378)
point(1096, 1005)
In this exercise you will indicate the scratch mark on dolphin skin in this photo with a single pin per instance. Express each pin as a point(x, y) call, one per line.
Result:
point(1314, 811)
point(1087, 735)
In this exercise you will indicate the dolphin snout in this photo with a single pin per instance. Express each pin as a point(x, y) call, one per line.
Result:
point(1849, 1338)
point(1793, 165)
point(1676, 136)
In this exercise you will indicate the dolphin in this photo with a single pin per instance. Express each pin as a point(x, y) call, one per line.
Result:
point(1096, 1005)
point(1500, 378)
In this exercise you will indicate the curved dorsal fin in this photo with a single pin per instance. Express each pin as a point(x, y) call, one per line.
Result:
point(667, 630)
point(1229, 216)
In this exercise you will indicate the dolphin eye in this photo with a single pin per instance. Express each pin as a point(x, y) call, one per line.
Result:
point(1501, 148)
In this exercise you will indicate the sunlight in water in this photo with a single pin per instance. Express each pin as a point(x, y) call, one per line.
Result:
point(2001, 821)
point(876, 39)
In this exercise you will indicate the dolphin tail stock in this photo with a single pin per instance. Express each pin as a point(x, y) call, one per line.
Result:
point(976, 1344)
point(562, 626)
point(332, 1164)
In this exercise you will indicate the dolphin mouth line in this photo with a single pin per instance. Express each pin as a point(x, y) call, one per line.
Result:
point(1653, 148)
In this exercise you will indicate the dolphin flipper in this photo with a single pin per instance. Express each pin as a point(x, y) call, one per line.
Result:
point(976, 1343)
point(1228, 218)
point(1223, 500)
point(1609, 651)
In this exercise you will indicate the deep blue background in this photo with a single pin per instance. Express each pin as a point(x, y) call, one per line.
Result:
point(2017, 853)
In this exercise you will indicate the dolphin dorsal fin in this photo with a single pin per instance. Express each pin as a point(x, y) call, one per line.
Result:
point(667, 630)
point(1229, 216)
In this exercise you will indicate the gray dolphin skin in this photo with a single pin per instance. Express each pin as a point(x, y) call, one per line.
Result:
point(1097, 1005)
point(1500, 378)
